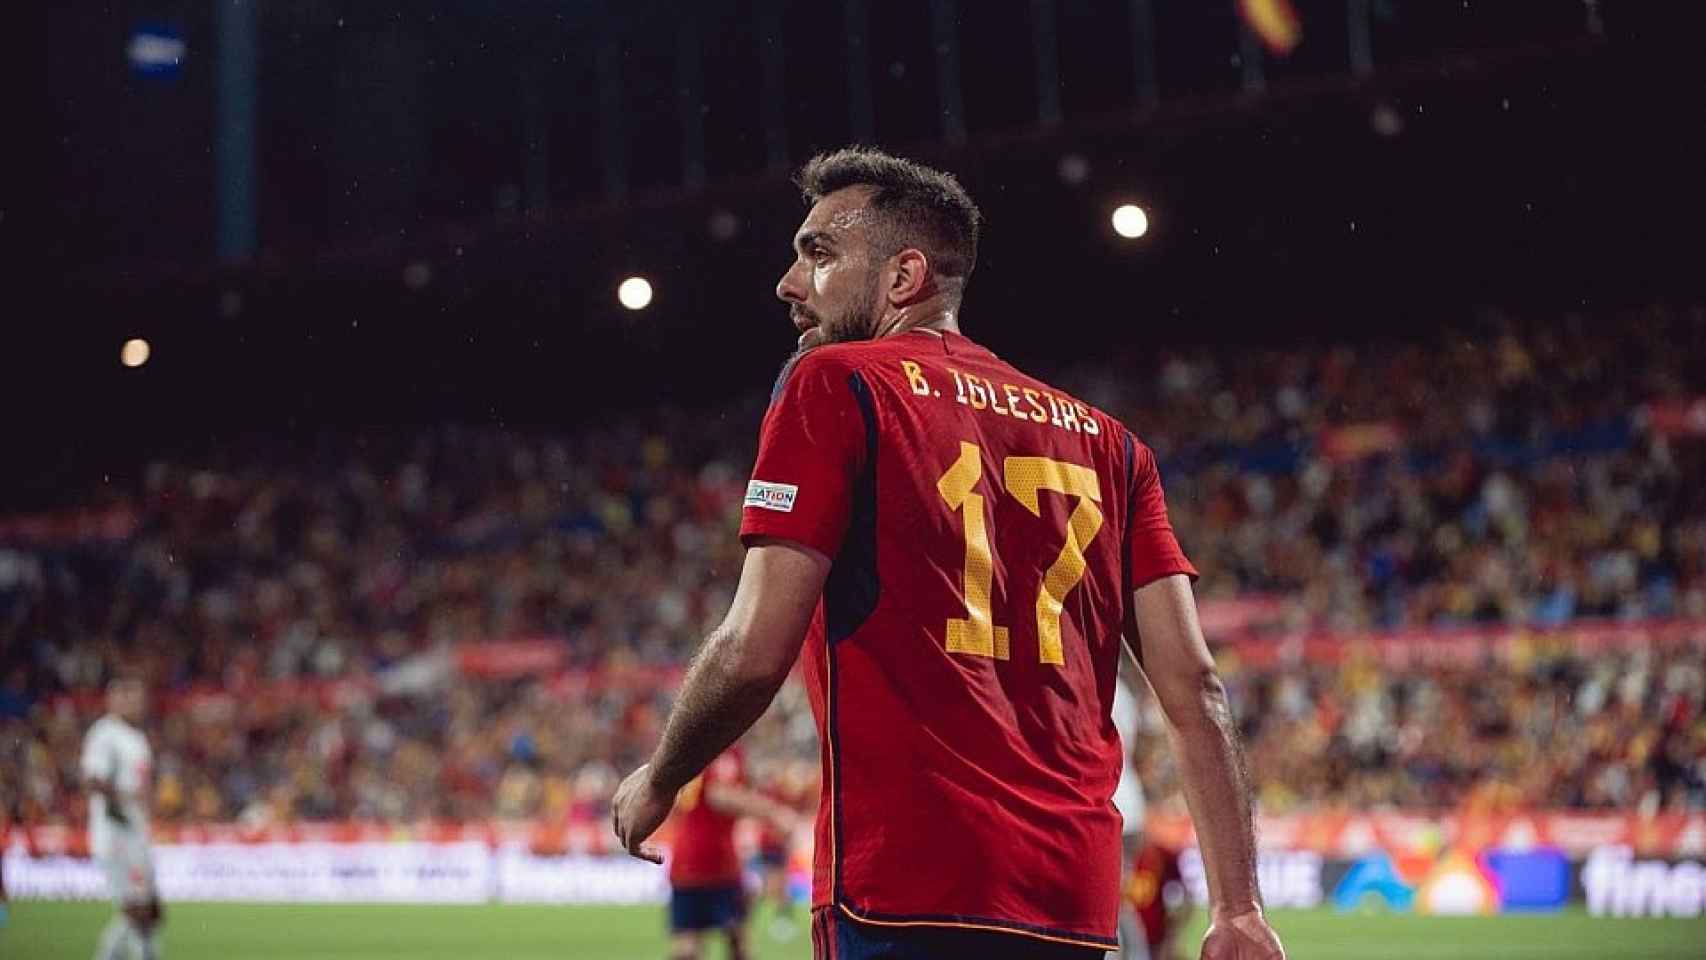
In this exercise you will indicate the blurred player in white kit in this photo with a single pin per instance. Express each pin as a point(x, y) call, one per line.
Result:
point(1148, 925)
point(1128, 797)
point(117, 769)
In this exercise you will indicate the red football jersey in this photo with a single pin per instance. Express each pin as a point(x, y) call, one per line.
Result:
point(771, 840)
point(986, 531)
point(703, 854)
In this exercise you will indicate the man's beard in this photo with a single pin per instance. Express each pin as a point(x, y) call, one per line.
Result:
point(858, 322)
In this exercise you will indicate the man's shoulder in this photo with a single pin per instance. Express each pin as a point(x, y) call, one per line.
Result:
point(830, 363)
point(1113, 433)
point(112, 725)
point(846, 356)
point(100, 732)
point(1067, 395)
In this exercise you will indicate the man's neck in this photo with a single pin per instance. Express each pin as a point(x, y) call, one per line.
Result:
point(933, 316)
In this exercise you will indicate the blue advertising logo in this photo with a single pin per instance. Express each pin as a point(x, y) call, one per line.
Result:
point(1531, 881)
point(1372, 880)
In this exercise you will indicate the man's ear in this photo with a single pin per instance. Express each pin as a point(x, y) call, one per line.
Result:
point(909, 276)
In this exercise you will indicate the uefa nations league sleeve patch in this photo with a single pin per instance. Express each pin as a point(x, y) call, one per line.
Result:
point(771, 496)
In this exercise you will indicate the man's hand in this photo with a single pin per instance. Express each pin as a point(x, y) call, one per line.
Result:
point(733, 677)
point(115, 800)
point(637, 811)
point(1244, 936)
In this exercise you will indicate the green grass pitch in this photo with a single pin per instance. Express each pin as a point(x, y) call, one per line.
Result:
point(67, 931)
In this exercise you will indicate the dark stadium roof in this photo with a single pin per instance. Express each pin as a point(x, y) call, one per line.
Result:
point(443, 219)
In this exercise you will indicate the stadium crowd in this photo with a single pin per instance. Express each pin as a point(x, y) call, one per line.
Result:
point(1511, 477)
point(1605, 731)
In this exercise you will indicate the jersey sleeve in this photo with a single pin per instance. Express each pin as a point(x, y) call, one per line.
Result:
point(1152, 552)
point(810, 450)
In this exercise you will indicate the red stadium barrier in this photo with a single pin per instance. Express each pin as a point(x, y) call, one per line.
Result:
point(1331, 834)
point(1460, 646)
point(109, 524)
point(541, 658)
point(545, 839)
point(1678, 418)
point(1349, 835)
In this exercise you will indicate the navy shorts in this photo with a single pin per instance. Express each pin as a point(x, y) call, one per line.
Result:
point(706, 908)
point(835, 936)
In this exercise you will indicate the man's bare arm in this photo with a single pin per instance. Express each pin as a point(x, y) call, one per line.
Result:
point(742, 664)
point(1171, 650)
point(736, 801)
point(732, 680)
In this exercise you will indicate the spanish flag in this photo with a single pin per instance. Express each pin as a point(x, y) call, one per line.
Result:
point(1274, 22)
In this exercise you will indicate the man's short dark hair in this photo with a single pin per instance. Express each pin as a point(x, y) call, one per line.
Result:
point(924, 207)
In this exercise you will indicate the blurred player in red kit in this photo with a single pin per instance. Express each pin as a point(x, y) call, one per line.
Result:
point(1147, 922)
point(955, 551)
point(1159, 904)
point(786, 787)
point(5, 840)
point(706, 893)
point(773, 862)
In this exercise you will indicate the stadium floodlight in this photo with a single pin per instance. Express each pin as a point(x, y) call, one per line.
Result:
point(135, 352)
point(635, 293)
point(157, 50)
point(1130, 221)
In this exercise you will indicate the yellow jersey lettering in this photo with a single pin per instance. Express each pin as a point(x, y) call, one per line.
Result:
point(1053, 409)
point(1091, 427)
point(915, 376)
point(1007, 400)
point(1012, 393)
point(979, 399)
point(1038, 414)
